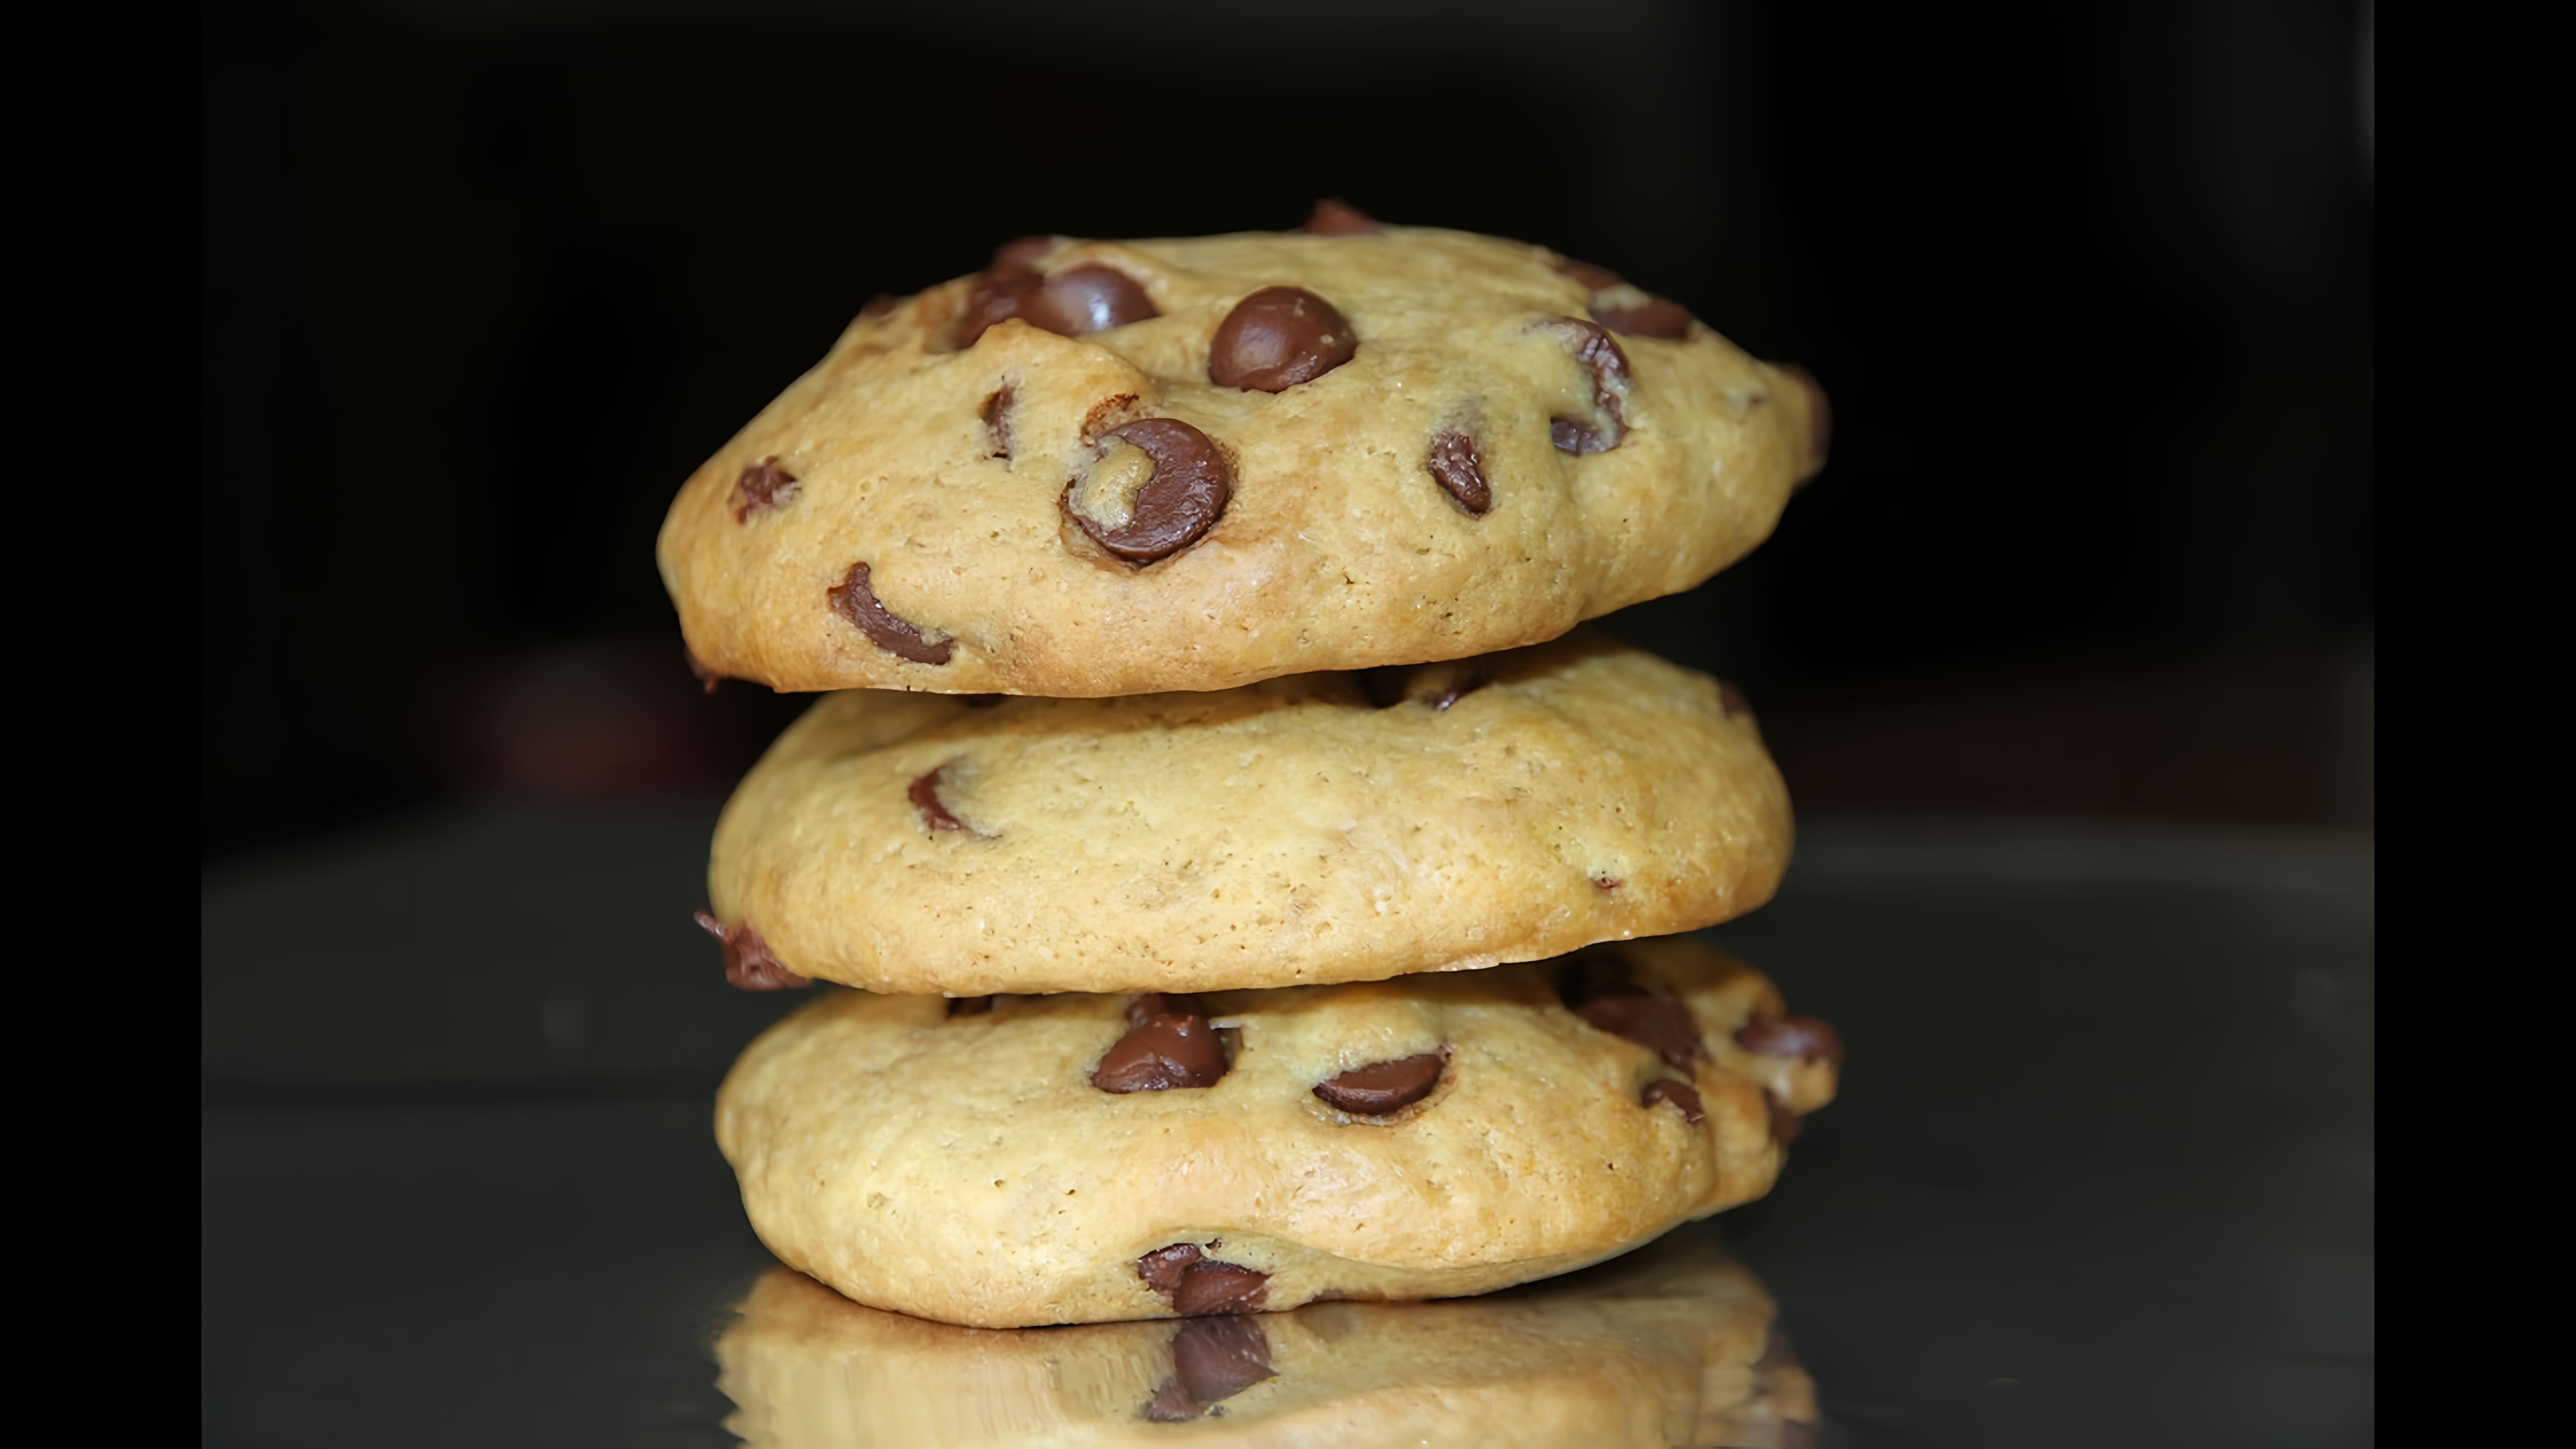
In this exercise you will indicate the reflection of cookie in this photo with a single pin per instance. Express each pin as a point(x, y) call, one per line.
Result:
point(1078, 1158)
point(1316, 829)
point(1106, 468)
point(1666, 1346)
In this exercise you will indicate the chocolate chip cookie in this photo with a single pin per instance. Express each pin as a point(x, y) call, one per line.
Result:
point(1669, 1345)
point(1312, 829)
point(1102, 468)
point(1084, 1158)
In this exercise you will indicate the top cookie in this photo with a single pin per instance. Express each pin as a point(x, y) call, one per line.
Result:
point(1106, 468)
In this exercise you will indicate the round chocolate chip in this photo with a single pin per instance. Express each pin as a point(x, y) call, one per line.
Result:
point(1383, 1087)
point(1179, 500)
point(1641, 314)
point(749, 965)
point(1661, 1024)
point(1166, 1049)
point(1339, 218)
point(1612, 382)
point(762, 485)
point(924, 795)
point(1278, 338)
point(858, 603)
point(1087, 297)
point(1680, 1094)
point(1805, 1037)
point(1459, 468)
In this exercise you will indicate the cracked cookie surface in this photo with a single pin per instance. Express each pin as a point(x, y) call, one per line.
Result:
point(1105, 468)
point(974, 1167)
point(1315, 829)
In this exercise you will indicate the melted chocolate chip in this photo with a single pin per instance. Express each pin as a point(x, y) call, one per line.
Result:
point(1085, 298)
point(1383, 1087)
point(1807, 1038)
point(1599, 353)
point(880, 305)
point(749, 965)
point(762, 485)
point(1177, 503)
point(1213, 1287)
point(1463, 681)
point(1731, 701)
point(697, 666)
point(1680, 1094)
point(970, 1005)
point(1213, 1359)
point(1162, 1268)
point(924, 795)
point(1168, 1045)
point(1599, 279)
point(1661, 1024)
point(997, 417)
point(994, 298)
point(1459, 468)
point(1820, 414)
point(1335, 217)
point(1278, 338)
point(1652, 317)
point(857, 603)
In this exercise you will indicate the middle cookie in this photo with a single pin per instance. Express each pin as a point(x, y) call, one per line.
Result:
point(1315, 829)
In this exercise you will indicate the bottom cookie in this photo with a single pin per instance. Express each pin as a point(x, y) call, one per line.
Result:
point(1670, 1345)
point(1016, 1161)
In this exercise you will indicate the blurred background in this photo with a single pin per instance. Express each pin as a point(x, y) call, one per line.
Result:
point(2090, 286)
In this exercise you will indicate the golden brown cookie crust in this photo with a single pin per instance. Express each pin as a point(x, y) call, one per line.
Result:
point(1291, 832)
point(966, 1168)
point(1669, 1345)
point(1336, 548)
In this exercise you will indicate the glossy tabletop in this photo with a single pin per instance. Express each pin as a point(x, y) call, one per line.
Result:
point(2101, 1173)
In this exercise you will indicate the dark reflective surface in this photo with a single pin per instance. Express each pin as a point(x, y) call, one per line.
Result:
point(2101, 1171)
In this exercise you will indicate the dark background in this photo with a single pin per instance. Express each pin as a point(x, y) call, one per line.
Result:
point(2090, 286)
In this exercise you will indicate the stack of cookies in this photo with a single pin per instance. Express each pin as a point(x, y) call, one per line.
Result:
point(1259, 888)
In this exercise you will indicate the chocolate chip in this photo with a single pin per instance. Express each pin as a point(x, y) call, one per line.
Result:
point(762, 485)
point(1213, 1359)
point(858, 603)
point(1680, 1094)
point(1807, 1038)
point(1599, 352)
point(1463, 681)
point(1162, 1268)
point(1644, 315)
point(1084, 298)
point(1599, 279)
point(997, 417)
point(1459, 468)
point(1335, 217)
point(924, 795)
point(748, 962)
point(1731, 701)
point(969, 1005)
point(994, 298)
point(1383, 1087)
point(1662, 1024)
point(880, 305)
point(1213, 1287)
point(1820, 414)
point(1168, 1045)
point(1277, 338)
point(1179, 499)
point(1609, 882)
point(697, 666)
